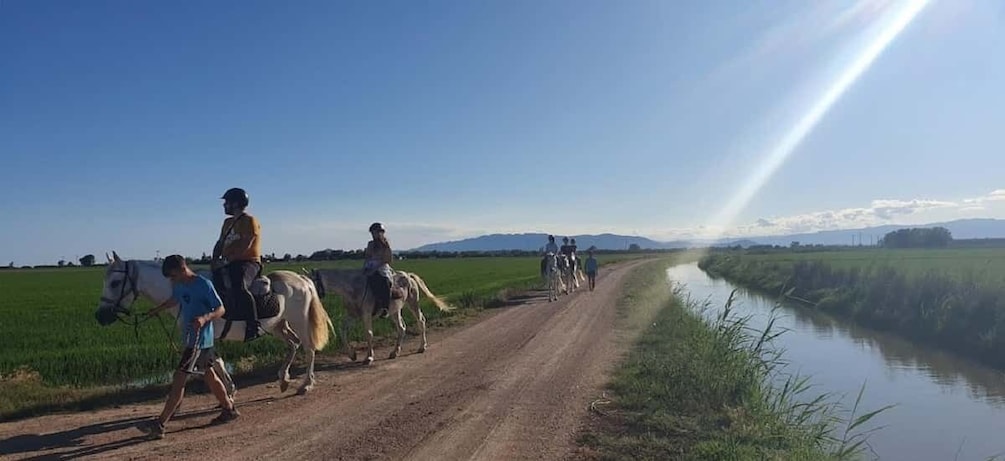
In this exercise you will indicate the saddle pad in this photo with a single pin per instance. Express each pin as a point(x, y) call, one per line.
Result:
point(268, 306)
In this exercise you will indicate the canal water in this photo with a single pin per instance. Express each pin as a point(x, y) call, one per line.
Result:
point(947, 407)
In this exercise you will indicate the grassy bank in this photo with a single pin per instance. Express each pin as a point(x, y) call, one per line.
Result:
point(55, 356)
point(693, 388)
point(953, 299)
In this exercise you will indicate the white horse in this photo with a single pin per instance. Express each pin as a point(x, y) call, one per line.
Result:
point(565, 273)
point(301, 319)
point(358, 300)
point(575, 270)
point(553, 276)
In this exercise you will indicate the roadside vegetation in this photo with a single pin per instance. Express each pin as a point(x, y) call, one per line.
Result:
point(696, 386)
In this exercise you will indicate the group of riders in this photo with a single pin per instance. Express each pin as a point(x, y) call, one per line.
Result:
point(568, 249)
point(237, 261)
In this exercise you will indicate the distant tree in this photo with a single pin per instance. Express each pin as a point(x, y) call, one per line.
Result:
point(794, 245)
point(935, 237)
point(61, 263)
point(634, 247)
point(11, 265)
point(287, 257)
point(87, 261)
point(300, 258)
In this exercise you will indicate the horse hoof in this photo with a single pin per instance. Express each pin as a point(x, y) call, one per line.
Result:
point(304, 390)
point(284, 385)
point(393, 356)
point(369, 360)
point(422, 350)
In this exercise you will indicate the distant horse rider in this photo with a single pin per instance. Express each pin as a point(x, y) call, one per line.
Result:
point(237, 258)
point(377, 268)
point(552, 248)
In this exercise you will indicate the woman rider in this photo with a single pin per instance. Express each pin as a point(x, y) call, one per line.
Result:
point(377, 268)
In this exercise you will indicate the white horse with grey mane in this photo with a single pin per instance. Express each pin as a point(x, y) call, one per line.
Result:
point(358, 301)
point(301, 318)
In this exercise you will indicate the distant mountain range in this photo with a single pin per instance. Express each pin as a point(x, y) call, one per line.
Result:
point(961, 229)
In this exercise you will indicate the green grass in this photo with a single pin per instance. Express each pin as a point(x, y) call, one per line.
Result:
point(698, 389)
point(988, 263)
point(954, 298)
point(54, 352)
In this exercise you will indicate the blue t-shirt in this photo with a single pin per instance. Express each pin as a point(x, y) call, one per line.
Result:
point(196, 297)
point(591, 265)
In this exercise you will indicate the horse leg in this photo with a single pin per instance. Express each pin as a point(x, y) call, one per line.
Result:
point(309, 381)
point(421, 320)
point(399, 324)
point(228, 381)
point(346, 346)
point(284, 331)
point(368, 330)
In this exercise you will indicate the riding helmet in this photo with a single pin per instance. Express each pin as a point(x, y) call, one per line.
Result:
point(236, 195)
point(377, 227)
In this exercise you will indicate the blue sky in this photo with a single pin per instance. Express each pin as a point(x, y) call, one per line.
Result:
point(122, 122)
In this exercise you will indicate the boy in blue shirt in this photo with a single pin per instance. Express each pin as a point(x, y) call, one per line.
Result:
point(200, 305)
point(591, 269)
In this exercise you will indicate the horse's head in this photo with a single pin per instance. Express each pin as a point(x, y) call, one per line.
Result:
point(119, 292)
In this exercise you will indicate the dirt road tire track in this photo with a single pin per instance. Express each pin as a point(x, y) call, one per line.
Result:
point(513, 385)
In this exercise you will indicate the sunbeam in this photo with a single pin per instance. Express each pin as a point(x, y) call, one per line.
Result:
point(775, 157)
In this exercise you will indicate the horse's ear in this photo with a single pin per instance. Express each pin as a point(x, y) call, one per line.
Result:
point(116, 256)
point(108, 257)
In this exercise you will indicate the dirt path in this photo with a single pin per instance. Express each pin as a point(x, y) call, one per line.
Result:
point(513, 385)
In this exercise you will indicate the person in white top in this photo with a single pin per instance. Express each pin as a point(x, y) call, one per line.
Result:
point(551, 247)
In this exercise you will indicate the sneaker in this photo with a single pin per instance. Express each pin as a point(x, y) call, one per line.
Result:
point(152, 428)
point(226, 416)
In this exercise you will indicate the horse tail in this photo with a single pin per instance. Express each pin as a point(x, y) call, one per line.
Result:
point(425, 290)
point(317, 317)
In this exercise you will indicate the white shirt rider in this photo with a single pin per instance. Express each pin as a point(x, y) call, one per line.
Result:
point(551, 247)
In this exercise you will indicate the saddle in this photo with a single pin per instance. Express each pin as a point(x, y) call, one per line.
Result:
point(267, 303)
point(374, 283)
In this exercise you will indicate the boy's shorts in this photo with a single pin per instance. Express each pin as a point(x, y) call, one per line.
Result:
point(196, 360)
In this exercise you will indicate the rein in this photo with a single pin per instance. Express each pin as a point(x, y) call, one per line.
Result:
point(126, 315)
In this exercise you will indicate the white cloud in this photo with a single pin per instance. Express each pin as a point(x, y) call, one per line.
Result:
point(879, 212)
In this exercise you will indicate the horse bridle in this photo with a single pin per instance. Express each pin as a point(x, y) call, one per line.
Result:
point(130, 280)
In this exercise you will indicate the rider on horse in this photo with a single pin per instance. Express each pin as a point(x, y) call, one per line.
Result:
point(237, 258)
point(377, 267)
point(551, 248)
point(569, 250)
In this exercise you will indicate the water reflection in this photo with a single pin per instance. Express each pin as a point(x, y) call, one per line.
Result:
point(945, 403)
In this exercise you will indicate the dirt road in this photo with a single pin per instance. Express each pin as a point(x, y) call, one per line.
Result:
point(515, 384)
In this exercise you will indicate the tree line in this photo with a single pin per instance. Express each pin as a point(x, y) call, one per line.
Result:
point(933, 237)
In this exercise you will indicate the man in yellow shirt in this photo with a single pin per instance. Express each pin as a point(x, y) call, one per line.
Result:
point(237, 258)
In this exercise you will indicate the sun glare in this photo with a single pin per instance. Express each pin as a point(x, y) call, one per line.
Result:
point(900, 15)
